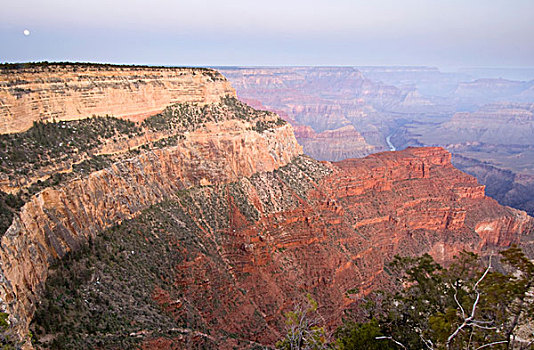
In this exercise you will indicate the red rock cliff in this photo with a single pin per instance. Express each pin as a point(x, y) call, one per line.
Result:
point(58, 220)
point(244, 252)
point(327, 228)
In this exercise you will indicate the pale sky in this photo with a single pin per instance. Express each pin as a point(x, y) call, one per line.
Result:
point(444, 33)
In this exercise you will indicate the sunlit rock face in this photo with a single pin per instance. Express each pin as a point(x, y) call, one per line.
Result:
point(45, 92)
point(205, 138)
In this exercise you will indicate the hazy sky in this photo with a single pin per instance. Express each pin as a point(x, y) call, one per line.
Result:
point(445, 33)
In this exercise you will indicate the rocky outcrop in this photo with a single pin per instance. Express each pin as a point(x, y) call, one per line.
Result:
point(241, 253)
point(333, 144)
point(46, 92)
point(58, 220)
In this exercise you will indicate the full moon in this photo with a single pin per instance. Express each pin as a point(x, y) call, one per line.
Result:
point(26, 32)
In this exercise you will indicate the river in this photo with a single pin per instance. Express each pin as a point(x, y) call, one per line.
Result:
point(390, 145)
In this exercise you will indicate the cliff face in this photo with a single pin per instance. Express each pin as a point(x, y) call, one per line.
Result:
point(77, 91)
point(343, 143)
point(58, 220)
point(328, 98)
point(231, 258)
point(395, 107)
point(79, 177)
point(502, 123)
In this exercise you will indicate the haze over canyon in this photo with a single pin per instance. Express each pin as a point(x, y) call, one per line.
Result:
point(486, 122)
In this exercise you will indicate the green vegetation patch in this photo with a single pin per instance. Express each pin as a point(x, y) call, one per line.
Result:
point(47, 143)
point(9, 205)
point(187, 117)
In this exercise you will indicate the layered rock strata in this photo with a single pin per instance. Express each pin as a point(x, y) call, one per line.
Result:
point(46, 92)
point(244, 223)
point(235, 257)
point(58, 220)
point(330, 98)
point(324, 99)
point(343, 143)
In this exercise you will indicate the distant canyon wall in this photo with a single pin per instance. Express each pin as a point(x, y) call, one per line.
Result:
point(494, 143)
point(37, 92)
point(326, 101)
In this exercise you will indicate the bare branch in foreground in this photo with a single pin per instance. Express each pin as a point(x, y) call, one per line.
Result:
point(491, 344)
point(393, 340)
point(468, 320)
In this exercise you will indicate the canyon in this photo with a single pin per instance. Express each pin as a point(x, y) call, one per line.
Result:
point(329, 98)
point(305, 97)
point(485, 119)
point(223, 263)
point(494, 143)
point(198, 221)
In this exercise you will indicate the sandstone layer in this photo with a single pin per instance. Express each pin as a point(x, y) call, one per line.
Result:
point(343, 143)
point(43, 92)
point(232, 258)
